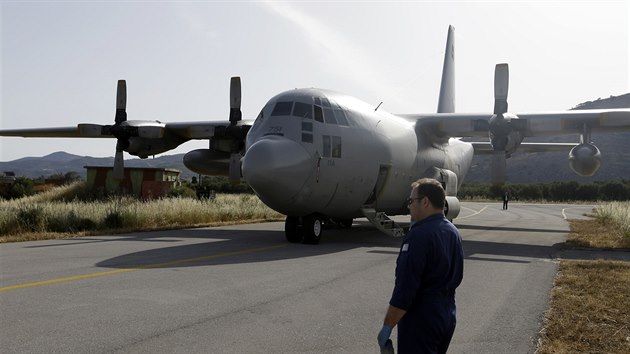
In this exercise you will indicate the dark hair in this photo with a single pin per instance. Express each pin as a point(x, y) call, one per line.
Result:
point(432, 189)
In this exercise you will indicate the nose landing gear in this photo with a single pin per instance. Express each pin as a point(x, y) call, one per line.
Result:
point(305, 229)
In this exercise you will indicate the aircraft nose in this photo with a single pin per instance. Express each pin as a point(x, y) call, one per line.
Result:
point(276, 168)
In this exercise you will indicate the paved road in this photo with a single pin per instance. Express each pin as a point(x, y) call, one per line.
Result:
point(243, 289)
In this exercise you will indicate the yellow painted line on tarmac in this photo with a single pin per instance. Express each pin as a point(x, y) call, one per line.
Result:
point(148, 266)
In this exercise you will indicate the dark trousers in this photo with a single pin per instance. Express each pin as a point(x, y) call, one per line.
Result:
point(428, 329)
point(505, 204)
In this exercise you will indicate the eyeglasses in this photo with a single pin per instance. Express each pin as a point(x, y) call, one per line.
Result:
point(410, 200)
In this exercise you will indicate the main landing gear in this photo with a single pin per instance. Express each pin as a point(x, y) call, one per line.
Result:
point(308, 229)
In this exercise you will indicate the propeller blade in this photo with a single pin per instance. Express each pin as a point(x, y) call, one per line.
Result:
point(121, 102)
point(119, 165)
point(501, 84)
point(498, 167)
point(235, 168)
point(235, 100)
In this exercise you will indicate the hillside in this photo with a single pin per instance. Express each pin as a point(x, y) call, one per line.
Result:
point(62, 162)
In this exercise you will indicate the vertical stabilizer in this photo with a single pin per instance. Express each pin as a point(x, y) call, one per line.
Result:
point(446, 103)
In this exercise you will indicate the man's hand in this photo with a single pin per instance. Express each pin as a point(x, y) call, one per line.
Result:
point(384, 335)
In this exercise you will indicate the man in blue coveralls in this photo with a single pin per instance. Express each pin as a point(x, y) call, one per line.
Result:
point(429, 268)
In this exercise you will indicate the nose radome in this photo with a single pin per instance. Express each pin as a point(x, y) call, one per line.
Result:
point(276, 168)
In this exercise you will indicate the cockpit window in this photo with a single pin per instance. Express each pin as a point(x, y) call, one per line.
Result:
point(341, 117)
point(319, 116)
point(329, 116)
point(282, 109)
point(303, 110)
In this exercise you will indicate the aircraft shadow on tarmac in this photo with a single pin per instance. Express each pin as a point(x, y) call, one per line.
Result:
point(238, 246)
point(505, 228)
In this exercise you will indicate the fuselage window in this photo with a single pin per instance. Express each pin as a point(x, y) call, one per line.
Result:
point(326, 147)
point(336, 146)
point(307, 138)
point(319, 116)
point(307, 126)
point(282, 109)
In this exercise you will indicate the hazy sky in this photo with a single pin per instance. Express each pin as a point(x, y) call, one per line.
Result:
point(61, 59)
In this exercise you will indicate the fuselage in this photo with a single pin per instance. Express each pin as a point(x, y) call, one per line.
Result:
point(313, 151)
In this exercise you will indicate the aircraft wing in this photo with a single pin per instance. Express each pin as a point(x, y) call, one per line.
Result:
point(202, 130)
point(144, 138)
point(59, 132)
point(506, 132)
point(528, 124)
point(555, 123)
point(183, 130)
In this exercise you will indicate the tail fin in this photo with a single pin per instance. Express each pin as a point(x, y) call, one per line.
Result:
point(446, 103)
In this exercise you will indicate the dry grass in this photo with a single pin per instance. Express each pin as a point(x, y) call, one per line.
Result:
point(610, 229)
point(590, 302)
point(617, 214)
point(48, 216)
point(590, 309)
point(595, 234)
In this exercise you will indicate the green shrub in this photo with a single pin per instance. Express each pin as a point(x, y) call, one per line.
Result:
point(182, 192)
point(614, 191)
point(21, 187)
point(113, 220)
point(31, 218)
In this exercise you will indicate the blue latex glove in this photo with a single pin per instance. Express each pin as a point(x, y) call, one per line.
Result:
point(384, 335)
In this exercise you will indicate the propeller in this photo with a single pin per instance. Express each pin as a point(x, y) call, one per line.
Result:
point(501, 85)
point(498, 126)
point(235, 116)
point(119, 132)
point(235, 100)
point(123, 130)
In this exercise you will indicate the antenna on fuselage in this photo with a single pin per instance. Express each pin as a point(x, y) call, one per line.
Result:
point(378, 106)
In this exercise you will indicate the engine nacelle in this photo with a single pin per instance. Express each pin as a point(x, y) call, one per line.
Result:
point(452, 208)
point(505, 132)
point(144, 147)
point(208, 162)
point(585, 159)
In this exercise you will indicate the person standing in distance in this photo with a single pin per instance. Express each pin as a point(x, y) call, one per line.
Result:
point(430, 266)
point(506, 199)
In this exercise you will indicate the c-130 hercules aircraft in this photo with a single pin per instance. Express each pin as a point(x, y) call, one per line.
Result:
point(320, 156)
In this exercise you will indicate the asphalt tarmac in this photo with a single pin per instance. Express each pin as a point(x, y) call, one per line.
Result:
point(244, 289)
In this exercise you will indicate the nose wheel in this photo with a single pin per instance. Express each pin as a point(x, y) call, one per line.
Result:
point(292, 229)
point(308, 231)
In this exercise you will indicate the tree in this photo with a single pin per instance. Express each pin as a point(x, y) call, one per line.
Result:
point(22, 186)
point(71, 176)
point(614, 191)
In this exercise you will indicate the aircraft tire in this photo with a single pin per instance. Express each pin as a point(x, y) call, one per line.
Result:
point(312, 226)
point(292, 230)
